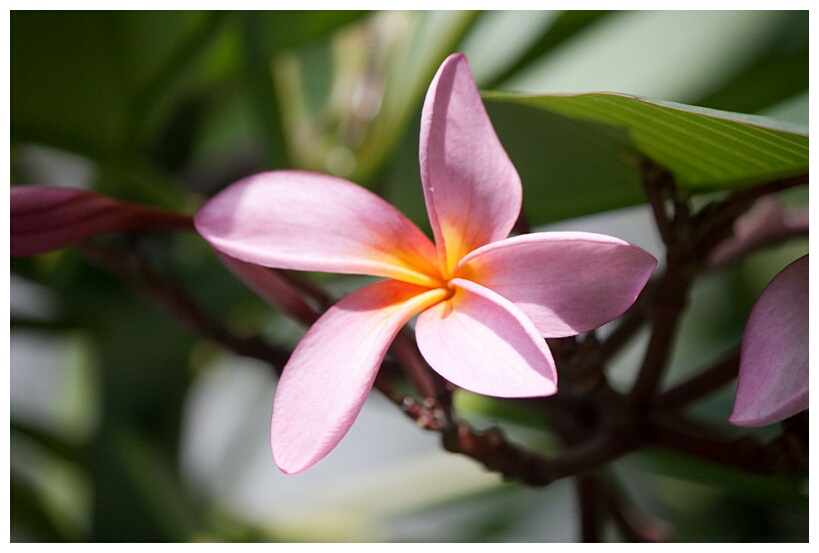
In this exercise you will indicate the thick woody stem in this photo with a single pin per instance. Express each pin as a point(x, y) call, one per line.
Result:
point(491, 448)
point(667, 308)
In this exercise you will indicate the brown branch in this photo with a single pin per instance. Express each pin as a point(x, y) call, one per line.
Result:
point(499, 455)
point(588, 496)
point(668, 304)
point(656, 181)
point(630, 322)
point(704, 382)
point(635, 524)
point(670, 293)
point(713, 225)
point(786, 453)
point(172, 298)
point(434, 389)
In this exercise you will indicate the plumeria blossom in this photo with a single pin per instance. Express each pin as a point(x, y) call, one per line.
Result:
point(773, 366)
point(484, 301)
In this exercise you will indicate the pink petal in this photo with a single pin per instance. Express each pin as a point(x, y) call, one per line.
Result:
point(472, 190)
point(565, 282)
point(481, 342)
point(272, 287)
point(773, 368)
point(765, 223)
point(311, 222)
point(47, 218)
point(329, 375)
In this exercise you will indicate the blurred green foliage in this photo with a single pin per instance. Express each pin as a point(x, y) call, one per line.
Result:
point(169, 107)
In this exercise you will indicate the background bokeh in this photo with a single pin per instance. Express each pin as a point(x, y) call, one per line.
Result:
point(127, 427)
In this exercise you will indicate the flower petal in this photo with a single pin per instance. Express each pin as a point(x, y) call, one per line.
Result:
point(765, 223)
point(329, 375)
point(565, 282)
point(312, 222)
point(271, 286)
point(47, 218)
point(472, 190)
point(481, 342)
point(773, 367)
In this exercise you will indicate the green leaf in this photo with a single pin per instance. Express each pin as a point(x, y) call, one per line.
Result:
point(569, 168)
point(705, 150)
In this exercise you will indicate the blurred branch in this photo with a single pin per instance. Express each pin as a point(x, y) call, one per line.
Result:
point(588, 496)
point(173, 299)
point(635, 525)
point(714, 225)
point(786, 453)
point(702, 383)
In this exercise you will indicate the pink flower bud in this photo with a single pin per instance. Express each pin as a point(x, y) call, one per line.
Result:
point(47, 218)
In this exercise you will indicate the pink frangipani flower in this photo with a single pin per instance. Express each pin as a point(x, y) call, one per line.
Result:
point(773, 366)
point(484, 301)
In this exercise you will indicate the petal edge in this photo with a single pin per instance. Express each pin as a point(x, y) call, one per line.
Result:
point(328, 377)
point(565, 282)
point(472, 190)
point(313, 222)
point(773, 369)
point(483, 343)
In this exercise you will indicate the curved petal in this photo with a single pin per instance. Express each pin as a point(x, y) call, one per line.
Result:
point(565, 282)
point(47, 218)
point(766, 222)
point(312, 222)
point(271, 286)
point(773, 367)
point(481, 342)
point(472, 190)
point(329, 375)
